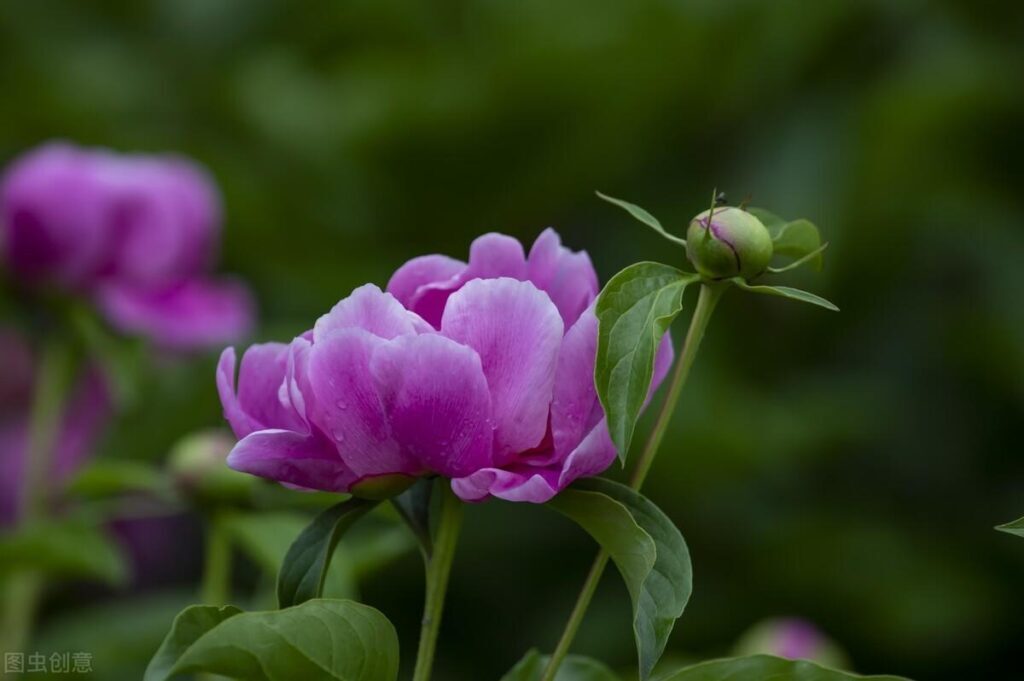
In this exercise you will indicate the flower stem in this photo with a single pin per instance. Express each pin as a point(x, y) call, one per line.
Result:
point(707, 300)
point(216, 584)
point(24, 589)
point(439, 567)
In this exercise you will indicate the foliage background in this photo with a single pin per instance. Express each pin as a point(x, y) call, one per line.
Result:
point(847, 468)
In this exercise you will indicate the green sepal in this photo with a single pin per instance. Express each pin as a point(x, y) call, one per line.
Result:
point(796, 239)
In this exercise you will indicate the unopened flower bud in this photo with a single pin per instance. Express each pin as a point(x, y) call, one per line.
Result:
point(197, 464)
point(792, 638)
point(732, 243)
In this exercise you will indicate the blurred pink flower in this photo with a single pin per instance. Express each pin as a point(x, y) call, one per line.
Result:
point(138, 234)
point(85, 415)
point(481, 372)
point(793, 638)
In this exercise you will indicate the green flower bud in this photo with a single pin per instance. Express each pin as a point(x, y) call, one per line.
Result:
point(737, 244)
point(197, 466)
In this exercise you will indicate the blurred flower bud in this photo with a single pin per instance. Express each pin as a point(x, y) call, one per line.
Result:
point(792, 638)
point(735, 244)
point(199, 469)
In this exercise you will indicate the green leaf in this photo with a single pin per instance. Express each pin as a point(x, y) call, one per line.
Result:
point(634, 311)
point(1016, 527)
point(116, 477)
point(786, 292)
point(762, 667)
point(644, 217)
point(413, 506)
point(266, 537)
point(68, 548)
point(305, 565)
point(320, 640)
point(647, 548)
point(189, 626)
point(573, 668)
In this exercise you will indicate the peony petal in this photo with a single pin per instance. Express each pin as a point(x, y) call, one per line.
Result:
point(421, 271)
point(517, 332)
point(662, 363)
point(193, 314)
point(295, 390)
point(574, 394)
point(495, 255)
point(257, 404)
point(568, 278)
point(528, 485)
point(490, 256)
point(346, 405)
point(437, 402)
point(165, 214)
point(592, 457)
point(293, 458)
point(54, 216)
point(369, 308)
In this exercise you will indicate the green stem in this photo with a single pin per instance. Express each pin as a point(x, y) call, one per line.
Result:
point(439, 568)
point(706, 302)
point(216, 585)
point(24, 589)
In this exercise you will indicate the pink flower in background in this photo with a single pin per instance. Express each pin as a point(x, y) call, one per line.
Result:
point(86, 413)
point(481, 372)
point(137, 234)
point(793, 638)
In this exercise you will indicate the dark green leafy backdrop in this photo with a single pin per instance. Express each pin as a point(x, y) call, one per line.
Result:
point(843, 467)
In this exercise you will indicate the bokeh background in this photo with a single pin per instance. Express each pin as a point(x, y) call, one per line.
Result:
point(847, 468)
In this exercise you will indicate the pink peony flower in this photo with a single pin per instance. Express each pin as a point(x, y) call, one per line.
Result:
point(138, 234)
point(481, 372)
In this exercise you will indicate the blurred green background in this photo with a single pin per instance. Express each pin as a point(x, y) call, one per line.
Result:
point(843, 467)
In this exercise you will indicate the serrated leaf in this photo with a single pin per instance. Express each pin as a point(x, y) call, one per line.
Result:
point(67, 548)
point(319, 640)
point(188, 627)
point(786, 292)
point(305, 565)
point(649, 551)
point(762, 667)
point(573, 668)
point(413, 506)
point(1016, 527)
point(644, 217)
point(634, 311)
